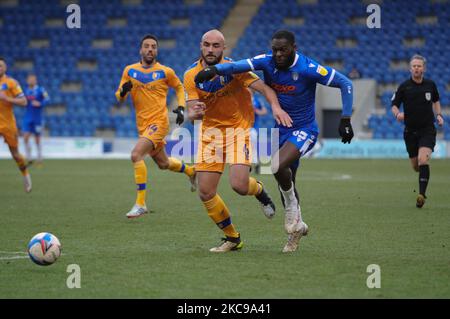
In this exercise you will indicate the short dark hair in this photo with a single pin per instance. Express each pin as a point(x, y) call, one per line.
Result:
point(2, 59)
point(285, 34)
point(149, 36)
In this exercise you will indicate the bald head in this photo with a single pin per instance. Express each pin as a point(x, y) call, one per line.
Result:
point(214, 36)
point(212, 47)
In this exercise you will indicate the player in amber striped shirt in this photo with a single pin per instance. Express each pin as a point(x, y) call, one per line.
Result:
point(11, 94)
point(148, 82)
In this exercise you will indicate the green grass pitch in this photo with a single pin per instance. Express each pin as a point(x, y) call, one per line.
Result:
point(360, 212)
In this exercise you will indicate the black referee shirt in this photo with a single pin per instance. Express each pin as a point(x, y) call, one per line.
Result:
point(417, 99)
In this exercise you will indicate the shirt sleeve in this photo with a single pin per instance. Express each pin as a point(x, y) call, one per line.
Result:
point(174, 82)
point(435, 97)
point(320, 74)
point(124, 79)
point(189, 86)
point(15, 89)
point(258, 62)
point(247, 78)
point(397, 98)
point(328, 76)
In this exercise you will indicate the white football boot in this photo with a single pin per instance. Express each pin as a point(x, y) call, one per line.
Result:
point(228, 244)
point(294, 238)
point(137, 211)
point(27, 183)
point(292, 219)
point(268, 210)
point(291, 210)
point(266, 203)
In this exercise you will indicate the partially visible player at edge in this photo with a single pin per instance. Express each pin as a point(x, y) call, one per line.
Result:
point(37, 98)
point(11, 94)
point(260, 110)
point(225, 104)
point(293, 76)
point(420, 99)
point(148, 83)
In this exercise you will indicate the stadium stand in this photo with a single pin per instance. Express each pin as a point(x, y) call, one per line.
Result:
point(81, 68)
point(335, 33)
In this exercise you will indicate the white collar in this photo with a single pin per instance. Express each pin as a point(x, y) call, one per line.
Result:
point(295, 60)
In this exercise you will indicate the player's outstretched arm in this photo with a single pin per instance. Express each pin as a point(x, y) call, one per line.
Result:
point(223, 69)
point(280, 116)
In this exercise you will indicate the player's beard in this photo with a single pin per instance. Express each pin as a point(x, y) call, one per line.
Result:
point(216, 61)
point(288, 62)
point(149, 61)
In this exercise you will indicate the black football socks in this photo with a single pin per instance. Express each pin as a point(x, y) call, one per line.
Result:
point(424, 176)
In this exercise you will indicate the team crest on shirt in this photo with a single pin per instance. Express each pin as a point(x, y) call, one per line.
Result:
point(134, 75)
point(294, 76)
point(155, 76)
point(428, 96)
point(222, 80)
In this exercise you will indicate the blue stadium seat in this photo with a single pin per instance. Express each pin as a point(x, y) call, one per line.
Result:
point(57, 64)
point(325, 22)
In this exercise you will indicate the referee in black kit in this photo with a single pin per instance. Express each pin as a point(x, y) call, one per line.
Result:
point(421, 106)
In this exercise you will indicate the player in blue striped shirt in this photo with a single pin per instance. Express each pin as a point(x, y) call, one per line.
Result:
point(37, 98)
point(294, 77)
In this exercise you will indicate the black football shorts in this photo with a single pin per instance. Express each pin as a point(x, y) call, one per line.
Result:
point(417, 138)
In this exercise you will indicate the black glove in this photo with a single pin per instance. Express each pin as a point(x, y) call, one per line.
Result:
point(180, 115)
point(126, 87)
point(206, 74)
point(346, 130)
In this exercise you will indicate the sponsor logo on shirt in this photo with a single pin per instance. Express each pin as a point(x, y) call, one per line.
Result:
point(321, 70)
point(282, 88)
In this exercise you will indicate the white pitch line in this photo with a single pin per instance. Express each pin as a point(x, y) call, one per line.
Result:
point(13, 257)
point(12, 252)
point(22, 255)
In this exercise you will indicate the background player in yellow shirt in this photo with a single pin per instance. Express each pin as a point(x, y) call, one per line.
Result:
point(11, 94)
point(148, 83)
point(225, 103)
